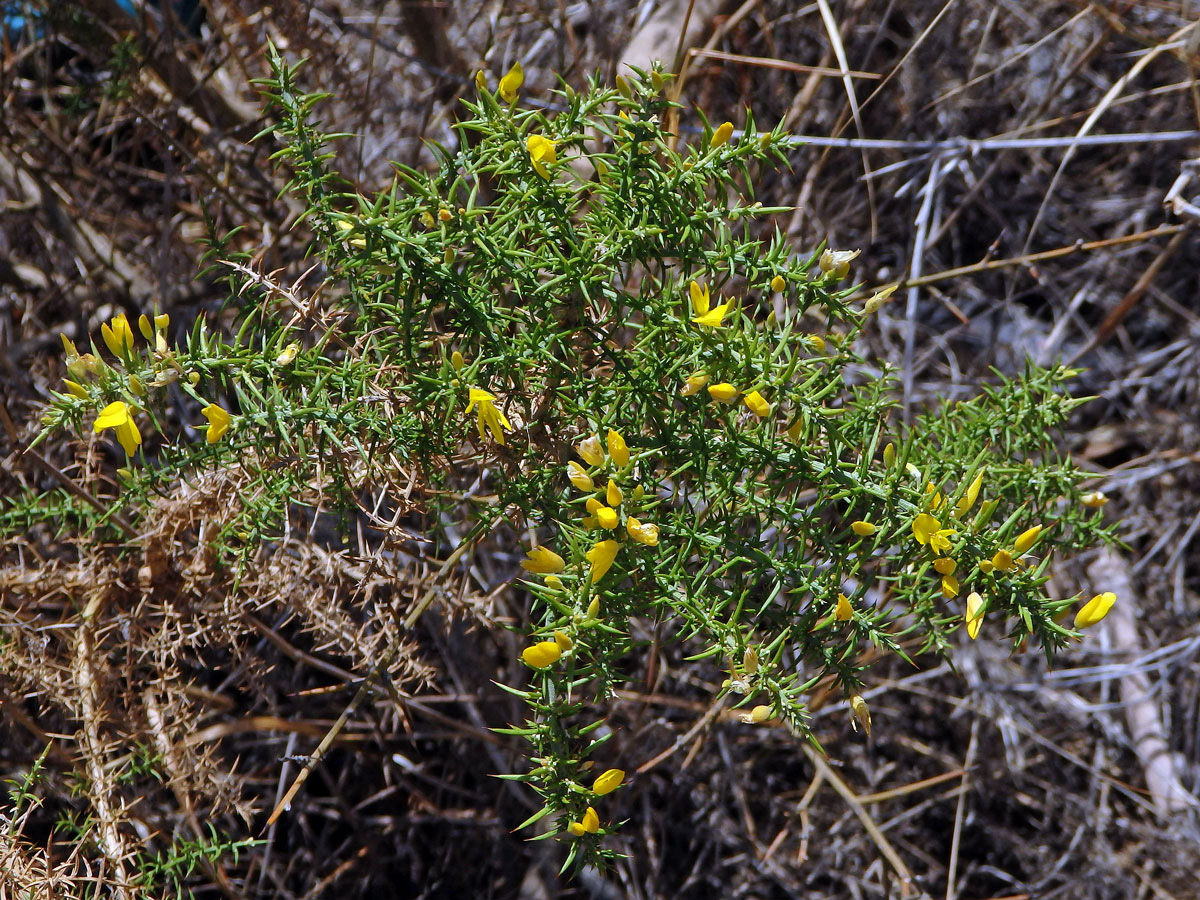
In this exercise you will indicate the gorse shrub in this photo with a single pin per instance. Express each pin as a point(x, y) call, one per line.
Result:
point(581, 327)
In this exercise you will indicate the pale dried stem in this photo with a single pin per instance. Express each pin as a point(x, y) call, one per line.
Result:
point(1149, 735)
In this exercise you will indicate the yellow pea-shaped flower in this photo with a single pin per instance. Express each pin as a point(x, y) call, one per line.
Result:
point(1095, 610)
point(542, 655)
point(617, 448)
point(608, 782)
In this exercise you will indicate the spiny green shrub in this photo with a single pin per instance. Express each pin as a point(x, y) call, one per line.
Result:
point(581, 327)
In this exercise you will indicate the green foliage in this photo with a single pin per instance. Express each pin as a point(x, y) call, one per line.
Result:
point(584, 289)
point(167, 873)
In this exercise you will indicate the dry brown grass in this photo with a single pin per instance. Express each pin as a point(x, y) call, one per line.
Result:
point(999, 778)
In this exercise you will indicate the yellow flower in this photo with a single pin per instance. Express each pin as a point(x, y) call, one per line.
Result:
point(967, 500)
point(154, 329)
point(836, 262)
point(723, 392)
point(778, 283)
point(844, 611)
point(118, 336)
point(118, 417)
point(579, 477)
point(940, 541)
point(986, 567)
point(563, 640)
point(592, 505)
point(722, 135)
point(925, 527)
point(601, 557)
point(642, 532)
point(591, 821)
point(862, 529)
point(949, 586)
point(608, 782)
point(944, 565)
point(693, 384)
point(756, 716)
point(606, 517)
point(757, 404)
point(861, 712)
point(487, 414)
point(480, 80)
point(511, 83)
point(543, 561)
point(793, 430)
point(593, 610)
point(576, 828)
point(712, 318)
point(974, 619)
point(816, 342)
point(1026, 539)
point(75, 389)
point(589, 451)
point(617, 449)
point(613, 494)
point(541, 151)
point(288, 354)
point(218, 422)
point(699, 295)
point(542, 655)
point(1095, 610)
point(1003, 561)
point(1092, 500)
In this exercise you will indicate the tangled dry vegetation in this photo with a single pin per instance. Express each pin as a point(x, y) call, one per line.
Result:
point(172, 706)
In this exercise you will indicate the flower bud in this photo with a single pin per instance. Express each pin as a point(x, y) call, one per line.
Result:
point(1026, 539)
point(750, 661)
point(613, 494)
point(862, 713)
point(756, 716)
point(722, 135)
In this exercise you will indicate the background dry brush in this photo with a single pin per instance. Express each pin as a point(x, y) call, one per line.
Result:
point(173, 699)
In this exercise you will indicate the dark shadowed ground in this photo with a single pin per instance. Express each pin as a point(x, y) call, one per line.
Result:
point(1014, 163)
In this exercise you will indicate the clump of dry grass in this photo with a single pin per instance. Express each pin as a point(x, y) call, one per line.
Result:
point(142, 654)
